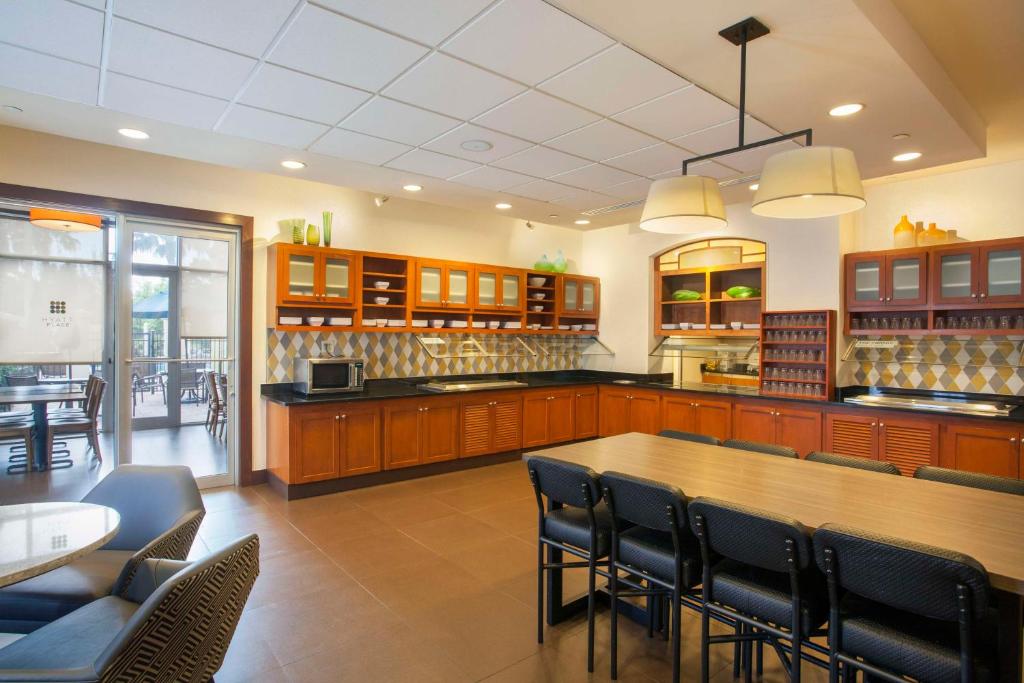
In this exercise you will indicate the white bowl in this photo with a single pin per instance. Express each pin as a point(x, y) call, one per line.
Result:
point(537, 308)
point(381, 300)
point(316, 321)
point(437, 323)
point(536, 281)
point(563, 327)
point(575, 328)
point(493, 324)
point(590, 327)
point(458, 323)
point(382, 322)
point(736, 325)
point(685, 326)
point(381, 284)
point(419, 323)
point(539, 296)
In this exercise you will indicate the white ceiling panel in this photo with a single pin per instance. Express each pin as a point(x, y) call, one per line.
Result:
point(45, 75)
point(296, 94)
point(723, 136)
point(502, 145)
point(452, 87)
point(98, 4)
point(650, 161)
point(490, 178)
point(328, 45)
point(392, 120)
point(752, 160)
point(679, 113)
point(710, 169)
point(582, 200)
point(431, 163)
point(358, 147)
point(55, 27)
point(594, 177)
point(613, 80)
point(427, 22)
point(602, 140)
point(541, 190)
point(161, 102)
point(528, 40)
point(269, 127)
point(634, 189)
point(536, 116)
point(233, 24)
point(541, 162)
point(164, 58)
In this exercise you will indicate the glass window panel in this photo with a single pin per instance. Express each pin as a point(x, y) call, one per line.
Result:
point(1004, 273)
point(18, 237)
point(300, 275)
point(510, 290)
point(866, 281)
point(485, 289)
point(587, 290)
point(430, 284)
point(204, 304)
point(906, 278)
point(204, 254)
point(570, 295)
point(955, 276)
point(458, 286)
point(336, 277)
point(150, 312)
point(160, 250)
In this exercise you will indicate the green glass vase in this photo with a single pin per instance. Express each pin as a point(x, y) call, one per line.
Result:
point(312, 235)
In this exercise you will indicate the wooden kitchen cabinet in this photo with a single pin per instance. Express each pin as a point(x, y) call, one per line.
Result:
point(697, 415)
point(311, 443)
point(984, 449)
point(443, 284)
point(898, 278)
point(585, 412)
point(754, 422)
point(851, 434)
point(580, 296)
point(359, 440)
point(420, 431)
point(987, 274)
point(548, 417)
point(315, 437)
point(629, 410)
point(908, 443)
point(499, 289)
point(314, 276)
point(491, 424)
point(798, 428)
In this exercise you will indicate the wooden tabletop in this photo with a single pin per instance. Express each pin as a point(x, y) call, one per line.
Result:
point(38, 537)
point(986, 525)
point(41, 393)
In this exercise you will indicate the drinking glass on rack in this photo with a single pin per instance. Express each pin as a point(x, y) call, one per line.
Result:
point(1004, 322)
point(990, 322)
point(854, 323)
point(1018, 322)
point(905, 323)
point(953, 322)
point(976, 322)
point(940, 322)
point(965, 323)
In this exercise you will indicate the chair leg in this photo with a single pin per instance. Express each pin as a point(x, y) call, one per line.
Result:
point(613, 588)
point(94, 441)
point(49, 449)
point(677, 632)
point(591, 588)
point(748, 671)
point(540, 592)
point(705, 655)
point(737, 652)
point(760, 658)
point(30, 453)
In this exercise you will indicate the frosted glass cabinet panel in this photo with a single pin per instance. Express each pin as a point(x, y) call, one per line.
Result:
point(1001, 270)
point(429, 285)
point(866, 276)
point(301, 272)
point(486, 286)
point(441, 284)
point(511, 286)
point(337, 278)
point(458, 287)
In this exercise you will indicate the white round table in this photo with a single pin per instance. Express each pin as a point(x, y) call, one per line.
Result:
point(38, 537)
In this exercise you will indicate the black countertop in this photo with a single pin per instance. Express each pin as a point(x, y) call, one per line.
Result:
point(377, 389)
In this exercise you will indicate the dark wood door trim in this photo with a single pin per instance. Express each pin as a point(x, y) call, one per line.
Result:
point(244, 224)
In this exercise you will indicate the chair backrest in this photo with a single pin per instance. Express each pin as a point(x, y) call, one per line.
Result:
point(690, 436)
point(90, 385)
point(22, 380)
point(94, 401)
point(912, 577)
point(150, 499)
point(564, 482)
point(211, 386)
point(749, 535)
point(989, 482)
point(855, 463)
point(182, 630)
point(758, 447)
point(645, 502)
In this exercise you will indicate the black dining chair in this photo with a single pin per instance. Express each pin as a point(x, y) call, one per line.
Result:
point(854, 463)
point(989, 482)
point(900, 609)
point(758, 447)
point(765, 581)
point(657, 547)
point(575, 522)
point(690, 436)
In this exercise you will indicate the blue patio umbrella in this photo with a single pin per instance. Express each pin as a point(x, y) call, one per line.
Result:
point(155, 306)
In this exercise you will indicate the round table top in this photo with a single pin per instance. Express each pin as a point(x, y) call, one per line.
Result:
point(38, 537)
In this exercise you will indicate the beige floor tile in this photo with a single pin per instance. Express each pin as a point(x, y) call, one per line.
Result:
point(513, 516)
point(449, 534)
point(411, 509)
point(364, 556)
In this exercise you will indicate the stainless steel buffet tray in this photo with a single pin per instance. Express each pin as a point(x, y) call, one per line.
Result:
point(473, 385)
point(955, 406)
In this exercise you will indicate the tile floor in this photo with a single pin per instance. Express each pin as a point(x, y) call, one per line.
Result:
point(426, 580)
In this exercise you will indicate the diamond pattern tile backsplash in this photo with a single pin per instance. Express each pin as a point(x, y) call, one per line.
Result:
point(989, 366)
point(394, 355)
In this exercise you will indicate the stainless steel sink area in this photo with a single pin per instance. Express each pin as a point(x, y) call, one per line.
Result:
point(473, 385)
point(941, 405)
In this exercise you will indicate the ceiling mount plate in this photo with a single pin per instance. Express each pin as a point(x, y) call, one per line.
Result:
point(734, 34)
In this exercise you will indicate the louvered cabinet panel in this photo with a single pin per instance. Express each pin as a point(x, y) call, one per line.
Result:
point(508, 419)
point(476, 428)
point(908, 444)
point(853, 435)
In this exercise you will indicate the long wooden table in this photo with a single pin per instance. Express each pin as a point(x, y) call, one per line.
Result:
point(40, 396)
point(987, 526)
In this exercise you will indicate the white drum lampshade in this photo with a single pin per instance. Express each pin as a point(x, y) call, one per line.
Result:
point(682, 205)
point(810, 182)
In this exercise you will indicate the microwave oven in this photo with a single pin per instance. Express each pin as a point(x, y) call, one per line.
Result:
point(327, 375)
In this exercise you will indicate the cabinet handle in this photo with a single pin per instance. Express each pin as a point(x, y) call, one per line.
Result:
point(973, 295)
point(881, 425)
point(983, 295)
point(337, 417)
point(881, 298)
point(426, 410)
point(1013, 439)
point(696, 405)
point(874, 424)
point(344, 417)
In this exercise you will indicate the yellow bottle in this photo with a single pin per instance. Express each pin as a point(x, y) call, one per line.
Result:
point(919, 233)
point(933, 235)
point(903, 234)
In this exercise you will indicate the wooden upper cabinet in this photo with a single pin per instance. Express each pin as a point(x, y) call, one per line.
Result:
point(585, 412)
point(580, 296)
point(359, 440)
point(966, 274)
point(443, 284)
point(898, 279)
point(851, 434)
point(908, 443)
point(865, 281)
point(312, 275)
point(954, 278)
point(985, 449)
point(499, 289)
point(1001, 273)
point(315, 446)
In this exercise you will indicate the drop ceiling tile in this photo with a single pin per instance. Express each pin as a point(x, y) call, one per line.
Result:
point(752, 160)
point(628, 191)
point(594, 177)
point(723, 136)
point(528, 40)
point(427, 22)
point(54, 27)
point(602, 140)
point(296, 94)
point(536, 116)
point(710, 169)
point(330, 46)
point(452, 87)
point(153, 55)
point(614, 80)
point(582, 200)
point(392, 120)
point(650, 161)
point(358, 147)
point(269, 127)
point(161, 102)
point(541, 162)
point(491, 178)
point(541, 190)
point(431, 163)
point(46, 75)
point(678, 113)
point(502, 145)
point(232, 24)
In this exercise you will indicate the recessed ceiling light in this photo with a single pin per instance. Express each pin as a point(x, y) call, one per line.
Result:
point(845, 109)
point(907, 156)
point(133, 133)
point(293, 164)
point(552, 215)
point(502, 206)
point(477, 146)
point(754, 186)
point(11, 109)
point(412, 188)
point(582, 221)
point(807, 196)
point(901, 136)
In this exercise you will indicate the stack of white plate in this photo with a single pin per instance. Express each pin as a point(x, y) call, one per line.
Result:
point(670, 326)
point(339, 322)
point(289, 320)
point(419, 323)
point(396, 323)
point(751, 326)
point(479, 324)
point(718, 326)
point(563, 327)
point(457, 323)
point(369, 322)
point(590, 327)
point(698, 326)
point(513, 325)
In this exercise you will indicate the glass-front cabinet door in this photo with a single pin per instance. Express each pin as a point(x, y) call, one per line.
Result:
point(337, 279)
point(955, 275)
point(907, 283)
point(511, 291)
point(487, 288)
point(864, 285)
point(588, 296)
point(570, 294)
point(428, 283)
point(1001, 273)
point(298, 269)
point(456, 287)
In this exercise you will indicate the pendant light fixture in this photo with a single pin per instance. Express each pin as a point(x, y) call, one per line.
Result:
point(65, 221)
point(808, 182)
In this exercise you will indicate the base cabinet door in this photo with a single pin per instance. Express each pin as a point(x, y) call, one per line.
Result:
point(491, 426)
point(712, 418)
point(476, 417)
point(908, 444)
point(987, 450)
point(798, 429)
point(645, 412)
point(359, 441)
point(677, 413)
point(853, 435)
point(507, 429)
point(439, 431)
point(752, 422)
point(561, 417)
point(585, 413)
point(614, 412)
point(401, 434)
point(535, 419)
point(315, 443)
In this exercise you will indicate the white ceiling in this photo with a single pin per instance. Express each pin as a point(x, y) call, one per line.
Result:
point(576, 119)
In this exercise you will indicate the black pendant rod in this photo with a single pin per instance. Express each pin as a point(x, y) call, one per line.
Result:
point(743, 80)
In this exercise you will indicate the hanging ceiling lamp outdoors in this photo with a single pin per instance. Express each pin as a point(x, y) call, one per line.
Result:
point(809, 182)
point(65, 221)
